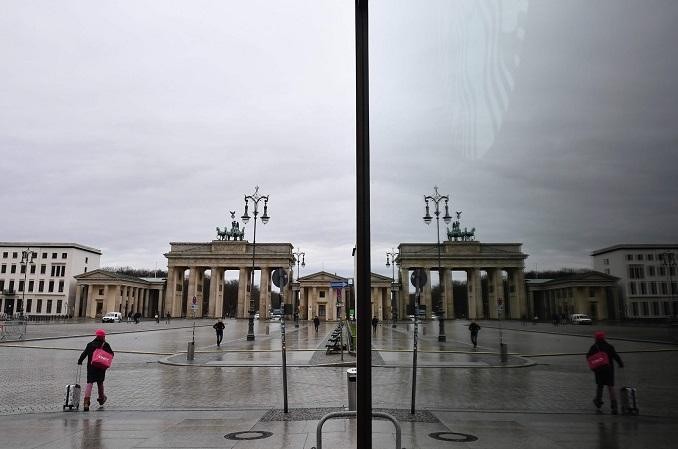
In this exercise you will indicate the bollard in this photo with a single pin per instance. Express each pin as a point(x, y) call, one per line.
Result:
point(190, 352)
point(503, 349)
point(267, 331)
point(351, 380)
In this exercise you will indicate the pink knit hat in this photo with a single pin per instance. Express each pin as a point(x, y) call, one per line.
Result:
point(100, 333)
point(599, 335)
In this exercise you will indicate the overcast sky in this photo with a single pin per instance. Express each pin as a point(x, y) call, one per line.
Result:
point(125, 125)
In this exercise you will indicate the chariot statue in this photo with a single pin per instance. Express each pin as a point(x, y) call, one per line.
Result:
point(457, 235)
point(234, 233)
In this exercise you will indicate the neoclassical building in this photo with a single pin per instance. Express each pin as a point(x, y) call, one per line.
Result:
point(99, 292)
point(330, 297)
point(494, 260)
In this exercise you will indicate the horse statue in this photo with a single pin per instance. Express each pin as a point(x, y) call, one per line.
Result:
point(222, 235)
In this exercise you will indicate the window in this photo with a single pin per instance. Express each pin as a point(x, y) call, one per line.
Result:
point(33, 269)
point(85, 269)
point(29, 304)
point(86, 259)
point(632, 288)
point(606, 261)
point(639, 257)
point(64, 255)
point(49, 306)
point(12, 269)
point(53, 270)
point(11, 286)
point(3, 268)
point(650, 257)
point(50, 287)
point(592, 292)
point(43, 269)
point(636, 272)
point(15, 255)
point(23, 269)
point(651, 270)
point(674, 288)
point(54, 255)
point(44, 255)
point(41, 286)
point(31, 284)
point(667, 308)
point(59, 302)
point(629, 257)
point(672, 271)
point(2, 286)
point(38, 309)
point(655, 308)
point(643, 288)
point(646, 308)
point(5, 254)
point(634, 308)
point(21, 285)
point(101, 292)
point(61, 286)
point(653, 288)
point(322, 294)
point(662, 270)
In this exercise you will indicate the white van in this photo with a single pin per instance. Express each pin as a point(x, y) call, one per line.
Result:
point(580, 318)
point(112, 317)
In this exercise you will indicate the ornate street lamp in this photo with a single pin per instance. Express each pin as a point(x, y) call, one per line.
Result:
point(27, 257)
point(436, 198)
point(669, 260)
point(394, 289)
point(299, 257)
point(254, 198)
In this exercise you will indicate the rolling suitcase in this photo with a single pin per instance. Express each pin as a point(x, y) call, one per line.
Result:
point(629, 406)
point(72, 399)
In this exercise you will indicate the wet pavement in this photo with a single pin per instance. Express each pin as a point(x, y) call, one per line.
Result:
point(540, 398)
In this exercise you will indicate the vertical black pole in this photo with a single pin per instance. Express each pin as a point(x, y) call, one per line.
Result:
point(363, 310)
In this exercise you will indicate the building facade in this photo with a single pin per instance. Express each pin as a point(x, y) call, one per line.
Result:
point(647, 277)
point(591, 293)
point(99, 292)
point(39, 278)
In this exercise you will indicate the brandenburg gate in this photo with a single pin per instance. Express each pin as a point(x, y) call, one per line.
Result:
point(219, 256)
point(472, 257)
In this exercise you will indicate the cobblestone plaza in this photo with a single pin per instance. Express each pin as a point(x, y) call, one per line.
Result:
point(540, 398)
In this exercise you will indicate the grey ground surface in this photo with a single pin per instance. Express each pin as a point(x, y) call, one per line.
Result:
point(541, 398)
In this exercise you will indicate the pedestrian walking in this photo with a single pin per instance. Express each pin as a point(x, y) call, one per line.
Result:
point(316, 323)
point(474, 328)
point(168, 317)
point(137, 316)
point(375, 321)
point(605, 374)
point(95, 374)
point(219, 328)
point(157, 319)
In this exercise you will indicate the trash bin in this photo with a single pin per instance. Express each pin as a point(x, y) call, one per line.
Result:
point(503, 349)
point(190, 352)
point(351, 381)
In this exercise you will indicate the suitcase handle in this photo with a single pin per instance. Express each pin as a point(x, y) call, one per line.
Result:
point(78, 374)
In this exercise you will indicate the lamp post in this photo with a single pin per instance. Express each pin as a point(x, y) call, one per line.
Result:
point(27, 257)
point(299, 257)
point(254, 198)
point(436, 198)
point(669, 260)
point(394, 291)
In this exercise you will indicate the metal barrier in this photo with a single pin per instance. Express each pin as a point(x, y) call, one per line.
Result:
point(15, 330)
point(349, 414)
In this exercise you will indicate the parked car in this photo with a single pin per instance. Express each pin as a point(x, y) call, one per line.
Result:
point(580, 318)
point(112, 317)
